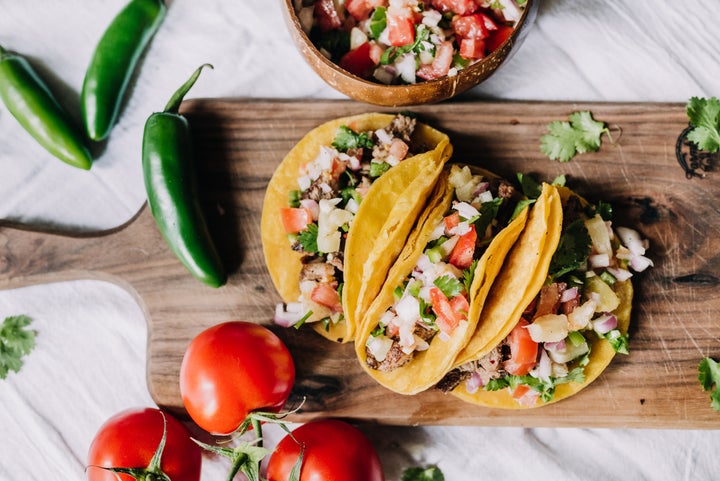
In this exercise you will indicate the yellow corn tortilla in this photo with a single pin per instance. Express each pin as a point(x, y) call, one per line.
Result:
point(524, 254)
point(394, 195)
point(429, 366)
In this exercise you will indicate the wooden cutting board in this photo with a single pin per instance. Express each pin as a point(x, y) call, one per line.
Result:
point(676, 319)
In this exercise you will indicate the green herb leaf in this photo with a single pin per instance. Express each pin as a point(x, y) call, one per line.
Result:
point(704, 115)
point(709, 377)
point(450, 286)
point(378, 168)
point(488, 213)
point(619, 342)
point(308, 239)
point(573, 250)
point(578, 135)
point(530, 187)
point(378, 22)
point(16, 341)
point(469, 275)
point(431, 473)
point(422, 35)
point(346, 139)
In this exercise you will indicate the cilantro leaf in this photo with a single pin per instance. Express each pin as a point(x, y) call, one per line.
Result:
point(580, 134)
point(709, 376)
point(531, 188)
point(422, 35)
point(704, 115)
point(618, 341)
point(469, 275)
point(488, 213)
point(15, 342)
point(346, 139)
point(449, 286)
point(378, 168)
point(431, 473)
point(308, 239)
point(573, 250)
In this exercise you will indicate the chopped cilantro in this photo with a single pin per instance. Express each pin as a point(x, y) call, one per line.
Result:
point(426, 314)
point(520, 206)
point(336, 42)
point(469, 275)
point(378, 168)
point(530, 187)
point(378, 22)
point(294, 198)
point(546, 388)
point(488, 212)
point(431, 473)
point(572, 252)
point(308, 239)
point(378, 331)
point(560, 180)
point(704, 115)
point(421, 43)
point(579, 135)
point(346, 139)
point(15, 342)
point(450, 286)
point(350, 193)
point(604, 209)
point(709, 376)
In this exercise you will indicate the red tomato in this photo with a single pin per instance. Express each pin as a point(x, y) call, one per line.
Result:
point(452, 221)
point(295, 219)
point(523, 350)
point(361, 9)
point(327, 295)
point(334, 450)
point(462, 254)
point(498, 37)
point(326, 15)
point(401, 30)
point(232, 369)
point(440, 65)
point(461, 7)
point(448, 319)
point(359, 61)
point(460, 305)
point(129, 440)
point(472, 48)
point(470, 26)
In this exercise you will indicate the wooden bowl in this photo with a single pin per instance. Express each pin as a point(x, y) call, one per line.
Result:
point(424, 92)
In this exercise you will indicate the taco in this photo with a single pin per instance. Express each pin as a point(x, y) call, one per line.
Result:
point(431, 300)
point(562, 332)
point(346, 180)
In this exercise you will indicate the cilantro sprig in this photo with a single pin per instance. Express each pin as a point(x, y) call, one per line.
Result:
point(450, 286)
point(572, 252)
point(704, 115)
point(346, 139)
point(16, 341)
point(709, 377)
point(430, 473)
point(580, 134)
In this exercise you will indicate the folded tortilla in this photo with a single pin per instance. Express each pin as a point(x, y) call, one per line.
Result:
point(398, 194)
point(512, 293)
point(427, 367)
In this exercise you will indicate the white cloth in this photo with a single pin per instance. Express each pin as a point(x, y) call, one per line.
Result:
point(90, 359)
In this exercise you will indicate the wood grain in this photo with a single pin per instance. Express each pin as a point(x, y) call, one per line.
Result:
point(676, 319)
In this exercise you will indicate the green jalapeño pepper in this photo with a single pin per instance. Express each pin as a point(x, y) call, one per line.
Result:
point(113, 63)
point(30, 101)
point(171, 187)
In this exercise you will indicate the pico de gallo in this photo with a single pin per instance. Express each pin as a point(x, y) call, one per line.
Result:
point(551, 343)
point(407, 41)
point(434, 299)
point(320, 211)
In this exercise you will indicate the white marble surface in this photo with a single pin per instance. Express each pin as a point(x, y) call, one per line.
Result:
point(89, 362)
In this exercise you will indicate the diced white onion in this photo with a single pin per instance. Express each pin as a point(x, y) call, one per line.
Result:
point(304, 182)
point(406, 67)
point(438, 231)
point(620, 274)
point(408, 309)
point(580, 317)
point(385, 74)
point(352, 205)
point(632, 240)
point(485, 196)
point(288, 315)
point(421, 344)
point(357, 38)
point(431, 17)
point(306, 18)
point(599, 260)
point(386, 318)
point(379, 347)
point(466, 210)
point(383, 136)
point(640, 263)
point(543, 368)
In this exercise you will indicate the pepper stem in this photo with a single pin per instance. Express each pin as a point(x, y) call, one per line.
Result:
point(173, 106)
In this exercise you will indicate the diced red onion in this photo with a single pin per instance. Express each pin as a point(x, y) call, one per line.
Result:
point(481, 187)
point(311, 205)
point(473, 383)
point(605, 323)
point(569, 294)
point(620, 274)
point(289, 315)
point(555, 346)
point(509, 11)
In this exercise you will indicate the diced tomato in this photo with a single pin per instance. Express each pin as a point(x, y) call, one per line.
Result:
point(460, 305)
point(461, 7)
point(398, 148)
point(392, 330)
point(520, 391)
point(376, 52)
point(462, 254)
point(401, 29)
point(452, 221)
point(447, 318)
point(497, 37)
point(361, 9)
point(358, 61)
point(326, 15)
point(328, 296)
point(472, 48)
point(470, 26)
point(440, 65)
point(523, 350)
point(295, 219)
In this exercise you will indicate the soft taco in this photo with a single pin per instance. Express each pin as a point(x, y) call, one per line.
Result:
point(346, 181)
point(430, 302)
point(562, 330)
